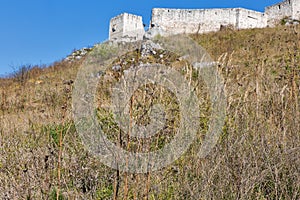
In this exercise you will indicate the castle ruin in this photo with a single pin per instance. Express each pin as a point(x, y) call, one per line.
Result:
point(126, 25)
point(287, 8)
point(187, 21)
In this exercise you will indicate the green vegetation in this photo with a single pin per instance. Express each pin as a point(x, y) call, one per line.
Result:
point(257, 156)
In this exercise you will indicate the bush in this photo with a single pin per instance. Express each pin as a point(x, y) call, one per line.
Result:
point(25, 72)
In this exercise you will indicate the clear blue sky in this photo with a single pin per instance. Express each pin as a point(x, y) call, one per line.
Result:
point(44, 31)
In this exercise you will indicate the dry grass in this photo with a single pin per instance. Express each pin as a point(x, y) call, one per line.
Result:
point(257, 157)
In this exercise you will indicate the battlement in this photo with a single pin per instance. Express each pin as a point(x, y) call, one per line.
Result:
point(165, 21)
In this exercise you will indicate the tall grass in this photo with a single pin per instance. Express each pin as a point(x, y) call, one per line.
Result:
point(257, 156)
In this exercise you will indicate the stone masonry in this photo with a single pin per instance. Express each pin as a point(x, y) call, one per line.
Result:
point(126, 26)
point(179, 21)
point(287, 8)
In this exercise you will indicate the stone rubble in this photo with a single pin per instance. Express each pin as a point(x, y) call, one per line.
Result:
point(78, 54)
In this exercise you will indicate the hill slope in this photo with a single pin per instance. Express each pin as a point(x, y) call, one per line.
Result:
point(257, 157)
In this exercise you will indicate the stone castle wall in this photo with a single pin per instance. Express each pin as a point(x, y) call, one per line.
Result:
point(177, 21)
point(250, 19)
point(278, 11)
point(296, 9)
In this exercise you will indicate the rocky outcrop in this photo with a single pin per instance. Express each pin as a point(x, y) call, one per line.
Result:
point(78, 54)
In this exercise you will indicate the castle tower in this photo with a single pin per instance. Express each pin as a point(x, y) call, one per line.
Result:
point(287, 8)
point(126, 26)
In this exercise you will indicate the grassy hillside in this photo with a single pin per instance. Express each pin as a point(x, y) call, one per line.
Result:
point(257, 156)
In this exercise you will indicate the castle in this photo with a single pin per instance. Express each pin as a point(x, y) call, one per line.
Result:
point(179, 21)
